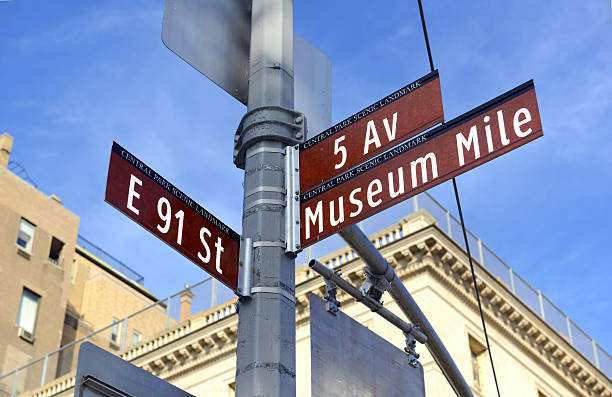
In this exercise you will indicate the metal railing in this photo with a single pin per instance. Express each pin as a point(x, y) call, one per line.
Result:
point(64, 359)
point(111, 260)
point(19, 170)
point(532, 297)
point(114, 337)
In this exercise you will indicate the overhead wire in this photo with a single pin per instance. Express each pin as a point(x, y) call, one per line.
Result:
point(467, 245)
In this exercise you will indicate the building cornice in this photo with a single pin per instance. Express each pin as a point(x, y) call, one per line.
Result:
point(210, 336)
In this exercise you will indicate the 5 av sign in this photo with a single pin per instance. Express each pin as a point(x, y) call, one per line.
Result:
point(146, 197)
point(396, 117)
point(482, 134)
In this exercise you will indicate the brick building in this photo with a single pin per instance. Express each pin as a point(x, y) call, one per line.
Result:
point(53, 289)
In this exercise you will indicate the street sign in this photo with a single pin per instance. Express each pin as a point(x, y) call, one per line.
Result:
point(147, 198)
point(312, 84)
point(213, 36)
point(349, 360)
point(102, 374)
point(482, 134)
point(398, 116)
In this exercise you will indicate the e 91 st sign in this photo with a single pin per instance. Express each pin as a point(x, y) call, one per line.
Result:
point(146, 197)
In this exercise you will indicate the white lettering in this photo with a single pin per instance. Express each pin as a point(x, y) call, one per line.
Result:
point(400, 176)
point(371, 137)
point(390, 131)
point(502, 128)
point(355, 202)
point(164, 215)
point(340, 149)
point(461, 141)
point(488, 132)
point(132, 193)
point(517, 124)
point(314, 218)
point(180, 216)
point(206, 258)
point(332, 221)
point(422, 161)
point(371, 193)
point(218, 255)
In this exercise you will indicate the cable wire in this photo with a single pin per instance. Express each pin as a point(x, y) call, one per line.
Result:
point(467, 245)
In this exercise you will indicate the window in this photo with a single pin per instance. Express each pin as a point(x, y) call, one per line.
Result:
point(25, 236)
point(475, 370)
point(477, 357)
point(55, 251)
point(71, 320)
point(115, 331)
point(136, 337)
point(28, 308)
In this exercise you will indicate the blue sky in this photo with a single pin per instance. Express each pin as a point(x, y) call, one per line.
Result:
point(77, 75)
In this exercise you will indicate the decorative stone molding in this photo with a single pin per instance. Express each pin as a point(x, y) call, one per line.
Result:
point(411, 250)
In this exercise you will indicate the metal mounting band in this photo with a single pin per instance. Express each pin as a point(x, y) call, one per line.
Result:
point(273, 189)
point(268, 123)
point(273, 290)
point(265, 150)
point(264, 201)
point(258, 244)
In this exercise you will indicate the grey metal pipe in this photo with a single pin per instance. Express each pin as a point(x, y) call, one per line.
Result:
point(379, 266)
point(373, 304)
point(265, 363)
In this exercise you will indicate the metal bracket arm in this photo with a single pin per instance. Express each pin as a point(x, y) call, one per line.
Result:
point(374, 305)
point(262, 124)
point(331, 290)
point(410, 349)
point(375, 285)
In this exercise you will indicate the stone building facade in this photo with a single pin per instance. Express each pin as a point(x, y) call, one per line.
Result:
point(531, 358)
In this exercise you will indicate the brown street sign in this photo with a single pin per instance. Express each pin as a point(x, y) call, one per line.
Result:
point(482, 134)
point(400, 115)
point(147, 198)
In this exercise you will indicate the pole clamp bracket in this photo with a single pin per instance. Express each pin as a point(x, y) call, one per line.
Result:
point(410, 349)
point(268, 123)
point(375, 285)
point(331, 290)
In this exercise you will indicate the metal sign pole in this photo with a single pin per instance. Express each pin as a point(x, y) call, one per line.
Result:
point(266, 333)
point(379, 266)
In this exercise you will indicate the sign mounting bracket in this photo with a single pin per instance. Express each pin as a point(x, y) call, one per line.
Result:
point(245, 266)
point(292, 198)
